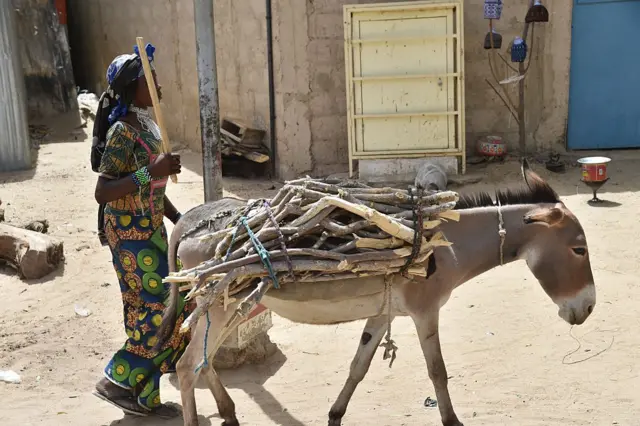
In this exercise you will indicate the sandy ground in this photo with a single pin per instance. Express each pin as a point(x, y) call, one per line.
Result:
point(502, 340)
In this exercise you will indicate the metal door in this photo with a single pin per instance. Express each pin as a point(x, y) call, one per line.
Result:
point(604, 93)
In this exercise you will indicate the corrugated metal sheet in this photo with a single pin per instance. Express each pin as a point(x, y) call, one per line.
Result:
point(15, 146)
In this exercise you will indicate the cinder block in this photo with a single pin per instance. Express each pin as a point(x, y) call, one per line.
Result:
point(326, 25)
point(331, 127)
point(326, 51)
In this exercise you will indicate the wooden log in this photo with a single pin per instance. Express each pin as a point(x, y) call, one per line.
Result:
point(41, 226)
point(32, 254)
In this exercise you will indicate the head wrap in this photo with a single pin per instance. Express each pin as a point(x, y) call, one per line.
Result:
point(115, 74)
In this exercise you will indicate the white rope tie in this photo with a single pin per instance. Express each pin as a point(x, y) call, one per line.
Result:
point(502, 232)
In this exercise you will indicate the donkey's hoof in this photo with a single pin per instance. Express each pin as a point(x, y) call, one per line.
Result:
point(335, 419)
point(454, 422)
point(233, 422)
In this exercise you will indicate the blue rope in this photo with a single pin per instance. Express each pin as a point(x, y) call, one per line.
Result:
point(205, 361)
point(266, 261)
point(233, 240)
point(262, 252)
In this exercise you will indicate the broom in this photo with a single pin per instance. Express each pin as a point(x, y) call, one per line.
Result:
point(151, 84)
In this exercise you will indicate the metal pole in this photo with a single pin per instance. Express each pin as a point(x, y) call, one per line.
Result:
point(209, 104)
point(272, 95)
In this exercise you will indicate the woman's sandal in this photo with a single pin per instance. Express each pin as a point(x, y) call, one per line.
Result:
point(127, 404)
point(124, 400)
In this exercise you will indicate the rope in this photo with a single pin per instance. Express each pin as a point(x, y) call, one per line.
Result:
point(262, 252)
point(205, 358)
point(389, 345)
point(242, 221)
point(418, 230)
point(283, 245)
point(209, 222)
point(233, 239)
point(502, 232)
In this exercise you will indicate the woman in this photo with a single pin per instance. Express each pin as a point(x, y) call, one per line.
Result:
point(133, 177)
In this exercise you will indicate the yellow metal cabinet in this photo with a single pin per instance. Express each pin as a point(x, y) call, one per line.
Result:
point(404, 75)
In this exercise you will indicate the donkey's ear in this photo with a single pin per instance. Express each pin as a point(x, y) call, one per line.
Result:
point(551, 216)
point(531, 178)
point(527, 174)
point(525, 166)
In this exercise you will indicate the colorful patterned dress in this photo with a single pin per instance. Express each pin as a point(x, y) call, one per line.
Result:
point(138, 241)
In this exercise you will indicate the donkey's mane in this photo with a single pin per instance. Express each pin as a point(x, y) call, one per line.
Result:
point(537, 193)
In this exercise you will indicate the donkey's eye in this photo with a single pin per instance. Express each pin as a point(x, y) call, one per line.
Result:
point(580, 251)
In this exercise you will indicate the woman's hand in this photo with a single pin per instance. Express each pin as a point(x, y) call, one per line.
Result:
point(165, 165)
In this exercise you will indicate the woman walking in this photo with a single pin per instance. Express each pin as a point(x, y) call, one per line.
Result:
point(127, 153)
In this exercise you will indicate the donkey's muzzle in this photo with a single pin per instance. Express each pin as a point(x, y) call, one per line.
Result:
point(577, 309)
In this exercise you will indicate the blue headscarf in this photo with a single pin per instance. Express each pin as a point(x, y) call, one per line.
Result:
point(121, 108)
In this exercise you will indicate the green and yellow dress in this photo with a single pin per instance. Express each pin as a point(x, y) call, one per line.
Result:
point(138, 241)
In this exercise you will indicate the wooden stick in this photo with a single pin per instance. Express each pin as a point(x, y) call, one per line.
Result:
point(151, 84)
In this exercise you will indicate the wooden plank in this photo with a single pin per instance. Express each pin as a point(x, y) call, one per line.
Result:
point(256, 157)
point(404, 76)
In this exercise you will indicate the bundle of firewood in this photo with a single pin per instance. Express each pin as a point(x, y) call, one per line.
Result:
point(313, 231)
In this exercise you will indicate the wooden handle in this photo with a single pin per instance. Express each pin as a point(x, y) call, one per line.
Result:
point(146, 66)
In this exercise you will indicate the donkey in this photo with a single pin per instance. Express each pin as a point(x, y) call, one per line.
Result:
point(530, 224)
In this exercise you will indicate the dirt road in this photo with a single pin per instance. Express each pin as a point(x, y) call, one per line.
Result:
point(502, 340)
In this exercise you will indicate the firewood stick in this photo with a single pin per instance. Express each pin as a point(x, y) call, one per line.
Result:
point(296, 253)
point(151, 84)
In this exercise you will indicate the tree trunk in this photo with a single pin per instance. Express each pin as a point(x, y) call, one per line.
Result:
point(32, 254)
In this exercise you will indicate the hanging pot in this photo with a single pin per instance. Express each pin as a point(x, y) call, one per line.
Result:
point(492, 9)
point(518, 50)
point(537, 13)
point(497, 40)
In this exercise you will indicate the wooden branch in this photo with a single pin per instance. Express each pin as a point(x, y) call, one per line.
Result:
point(506, 102)
point(375, 225)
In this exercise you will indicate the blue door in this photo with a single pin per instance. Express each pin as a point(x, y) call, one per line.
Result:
point(604, 92)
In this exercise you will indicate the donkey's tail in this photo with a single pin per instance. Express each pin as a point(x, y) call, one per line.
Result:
point(170, 316)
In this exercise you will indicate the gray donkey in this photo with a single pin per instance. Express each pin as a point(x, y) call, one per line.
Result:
point(531, 224)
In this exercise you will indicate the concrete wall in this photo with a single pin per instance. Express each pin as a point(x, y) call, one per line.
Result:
point(309, 70)
point(100, 30)
point(45, 58)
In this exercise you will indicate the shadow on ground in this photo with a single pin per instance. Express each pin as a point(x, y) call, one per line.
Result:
point(154, 421)
point(251, 380)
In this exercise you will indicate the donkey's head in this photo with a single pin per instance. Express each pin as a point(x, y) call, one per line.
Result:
point(557, 254)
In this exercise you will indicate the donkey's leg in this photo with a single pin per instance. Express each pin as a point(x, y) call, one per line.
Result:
point(371, 336)
point(187, 377)
point(226, 406)
point(193, 356)
point(427, 327)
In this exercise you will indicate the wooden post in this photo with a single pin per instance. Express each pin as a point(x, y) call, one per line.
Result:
point(522, 128)
point(209, 103)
